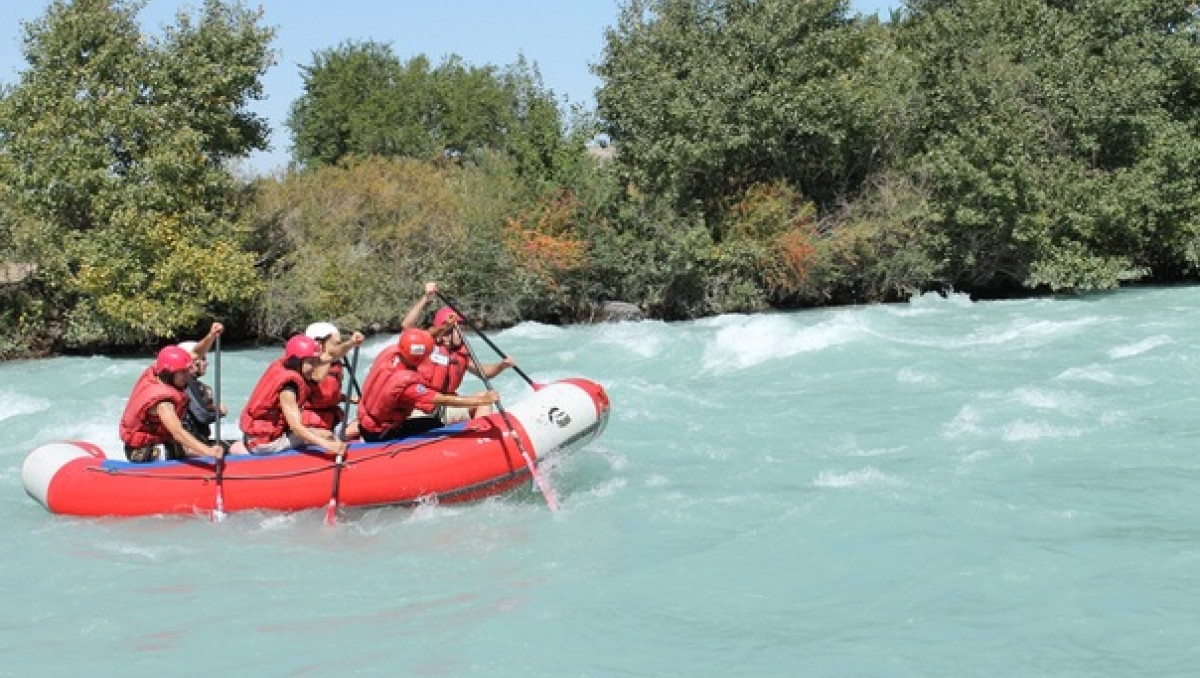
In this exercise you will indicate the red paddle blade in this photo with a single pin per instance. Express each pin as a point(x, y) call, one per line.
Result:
point(331, 513)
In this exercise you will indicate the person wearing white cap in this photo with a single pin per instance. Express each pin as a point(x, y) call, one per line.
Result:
point(323, 410)
point(201, 412)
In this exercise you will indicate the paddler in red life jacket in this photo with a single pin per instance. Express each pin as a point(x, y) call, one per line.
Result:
point(394, 388)
point(324, 408)
point(450, 360)
point(150, 426)
point(272, 421)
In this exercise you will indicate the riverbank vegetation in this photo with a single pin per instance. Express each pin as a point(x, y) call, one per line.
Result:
point(757, 154)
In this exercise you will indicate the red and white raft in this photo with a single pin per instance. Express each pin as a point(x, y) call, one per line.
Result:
point(462, 462)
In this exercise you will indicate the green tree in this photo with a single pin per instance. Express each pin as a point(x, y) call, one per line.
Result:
point(1058, 138)
point(706, 98)
point(360, 99)
point(115, 175)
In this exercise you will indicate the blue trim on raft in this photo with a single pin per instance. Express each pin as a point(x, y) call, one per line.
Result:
point(209, 463)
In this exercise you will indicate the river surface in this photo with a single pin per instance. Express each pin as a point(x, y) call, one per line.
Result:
point(937, 488)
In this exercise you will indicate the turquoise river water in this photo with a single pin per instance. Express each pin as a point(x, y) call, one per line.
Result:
point(937, 488)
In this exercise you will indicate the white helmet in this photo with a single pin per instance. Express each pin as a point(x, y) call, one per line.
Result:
point(320, 331)
point(189, 346)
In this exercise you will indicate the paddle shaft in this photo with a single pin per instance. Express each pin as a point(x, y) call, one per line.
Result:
point(219, 511)
point(529, 463)
point(449, 301)
point(353, 380)
point(331, 511)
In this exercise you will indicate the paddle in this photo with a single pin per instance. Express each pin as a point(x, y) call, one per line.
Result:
point(449, 301)
point(537, 477)
point(218, 513)
point(331, 512)
point(353, 381)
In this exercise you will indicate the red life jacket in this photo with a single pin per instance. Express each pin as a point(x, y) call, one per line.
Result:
point(445, 369)
point(384, 363)
point(262, 419)
point(140, 426)
point(324, 406)
point(380, 407)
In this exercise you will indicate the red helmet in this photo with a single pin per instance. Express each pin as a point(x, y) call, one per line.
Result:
point(443, 315)
point(416, 345)
point(301, 347)
point(172, 359)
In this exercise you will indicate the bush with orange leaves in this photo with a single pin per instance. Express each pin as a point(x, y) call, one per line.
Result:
point(547, 251)
point(767, 250)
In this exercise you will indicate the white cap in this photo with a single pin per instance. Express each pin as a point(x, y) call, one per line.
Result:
point(320, 330)
point(189, 346)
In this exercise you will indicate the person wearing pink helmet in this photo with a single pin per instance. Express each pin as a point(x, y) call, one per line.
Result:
point(450, 360)
point(151, 426)
point(395, 387)
point(272, 421)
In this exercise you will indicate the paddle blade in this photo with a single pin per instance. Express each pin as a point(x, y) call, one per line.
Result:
point(331, 513)
point(218, 513)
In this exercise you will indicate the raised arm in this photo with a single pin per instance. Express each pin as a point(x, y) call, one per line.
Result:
point(339, 351)
point(205, 345)
point(413, 317)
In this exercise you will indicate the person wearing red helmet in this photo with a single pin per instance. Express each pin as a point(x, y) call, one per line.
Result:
point(395, 387)
point(272, 421)
point(151, 425)
point(450, 360)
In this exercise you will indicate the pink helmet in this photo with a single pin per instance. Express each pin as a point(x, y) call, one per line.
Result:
point(443, 315)
point(416, 345)
point(301, 347)
point(172, 359)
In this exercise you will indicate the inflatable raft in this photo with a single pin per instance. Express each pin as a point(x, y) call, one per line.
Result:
point(461, 462)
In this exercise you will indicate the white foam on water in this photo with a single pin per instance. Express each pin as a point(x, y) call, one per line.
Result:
point(532, 330)
point(1025, 332)
point(1023, 431)
point(644, 339)
point(1095, 373)
point(607, 489)
point(18, 405)
point(930, 303)
point(1139, 347)
point(907, 375)
point(866, 477)
point(99, 428)
point(1048, 399)
point(848, 446)
point(964, 423)
point(744, 342)
point(657, 480)
point(167, 553)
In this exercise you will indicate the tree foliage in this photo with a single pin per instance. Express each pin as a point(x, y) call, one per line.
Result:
point(764, 154)
point(1060, 138)
point(353, 243)
point(360, 99)
point(115, 148)
point(706, 99)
